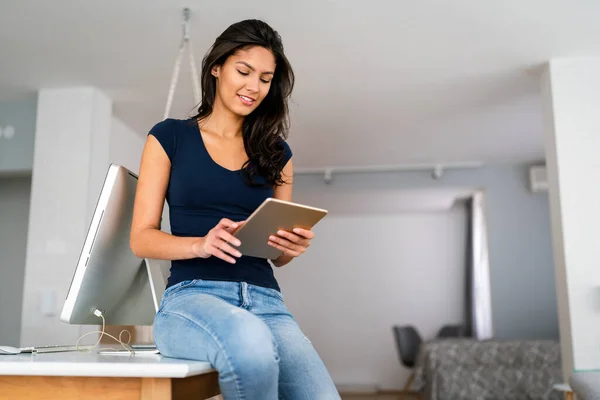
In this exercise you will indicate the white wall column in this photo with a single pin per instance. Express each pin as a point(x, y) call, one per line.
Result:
point(71, 157)
point(571, 103)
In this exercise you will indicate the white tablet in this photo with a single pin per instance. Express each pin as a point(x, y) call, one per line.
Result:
point(273, 215)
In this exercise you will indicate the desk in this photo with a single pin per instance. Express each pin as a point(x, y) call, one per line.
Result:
point(78, 375)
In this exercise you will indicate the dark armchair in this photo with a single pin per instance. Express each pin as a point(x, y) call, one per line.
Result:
point(408, 341)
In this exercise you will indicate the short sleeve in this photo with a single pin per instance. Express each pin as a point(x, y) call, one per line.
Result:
point(287, 152)
point(164, 132)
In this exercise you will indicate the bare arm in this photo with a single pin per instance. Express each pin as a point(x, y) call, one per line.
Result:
point(146, 238)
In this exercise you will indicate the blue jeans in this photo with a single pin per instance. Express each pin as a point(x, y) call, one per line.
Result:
point(248, 335)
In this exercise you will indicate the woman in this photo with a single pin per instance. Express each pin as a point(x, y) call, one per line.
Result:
point(214, 170)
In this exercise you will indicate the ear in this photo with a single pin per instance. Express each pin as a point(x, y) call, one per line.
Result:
point(215, 71)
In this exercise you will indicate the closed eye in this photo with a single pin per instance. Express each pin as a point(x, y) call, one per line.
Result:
point(247, 73)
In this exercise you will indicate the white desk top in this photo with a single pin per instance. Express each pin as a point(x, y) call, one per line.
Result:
point(93, 364)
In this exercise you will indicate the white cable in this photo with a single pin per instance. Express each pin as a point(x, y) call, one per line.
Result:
point(125, 345)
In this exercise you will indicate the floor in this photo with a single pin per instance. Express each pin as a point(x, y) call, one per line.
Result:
point(377, 397)
point(369, 397)
point(361, 397)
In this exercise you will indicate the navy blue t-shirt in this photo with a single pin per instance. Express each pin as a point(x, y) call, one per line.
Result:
point(200, 193)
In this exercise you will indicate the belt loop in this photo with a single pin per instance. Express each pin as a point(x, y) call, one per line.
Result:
point(246, 302)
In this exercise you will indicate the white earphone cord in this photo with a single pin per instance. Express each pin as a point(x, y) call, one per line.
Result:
point(125, 345)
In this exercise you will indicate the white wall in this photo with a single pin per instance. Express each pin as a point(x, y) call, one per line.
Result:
point(16, 152)
point(14, 215)
point(125, 146)
point(367, 271)
point(570, 94)
point(520, 244)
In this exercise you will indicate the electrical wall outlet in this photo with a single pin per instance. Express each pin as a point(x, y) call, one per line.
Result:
point(7, 132)
point(47, 302)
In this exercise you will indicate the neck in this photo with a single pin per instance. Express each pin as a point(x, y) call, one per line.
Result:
point(223, 122)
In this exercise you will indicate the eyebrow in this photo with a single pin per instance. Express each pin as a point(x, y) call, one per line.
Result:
point(252, 68)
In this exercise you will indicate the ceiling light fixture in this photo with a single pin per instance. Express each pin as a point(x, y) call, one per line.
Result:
point(437, 170)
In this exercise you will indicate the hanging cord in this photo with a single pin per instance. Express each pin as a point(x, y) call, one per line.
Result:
point(185, 42)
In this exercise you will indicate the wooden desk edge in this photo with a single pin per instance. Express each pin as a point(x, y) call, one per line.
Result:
point(202, 386)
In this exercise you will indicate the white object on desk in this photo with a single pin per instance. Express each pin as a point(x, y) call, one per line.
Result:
point(92, 364)
point(9, 350)
point(562, 387)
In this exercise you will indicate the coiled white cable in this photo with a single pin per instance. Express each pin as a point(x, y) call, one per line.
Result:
point(125, 345)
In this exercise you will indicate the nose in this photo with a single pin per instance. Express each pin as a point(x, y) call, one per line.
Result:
point(252, 85)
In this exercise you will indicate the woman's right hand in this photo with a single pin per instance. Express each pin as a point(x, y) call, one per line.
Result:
point(218, 241)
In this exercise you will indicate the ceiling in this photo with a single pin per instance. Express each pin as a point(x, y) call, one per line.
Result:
point(378, 82)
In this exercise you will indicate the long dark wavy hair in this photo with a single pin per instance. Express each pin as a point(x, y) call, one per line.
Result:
point(264, 128)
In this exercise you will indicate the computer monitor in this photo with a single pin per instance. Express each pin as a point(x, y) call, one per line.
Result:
point(109, 277)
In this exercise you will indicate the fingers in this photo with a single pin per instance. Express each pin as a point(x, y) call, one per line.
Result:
point(227, 237)
point(294, 238)
point(308, 234)
point(223, 250)
point(221, 240)
point(235, 227)
point(294, 251)
point(223, 256)
point(226, 247)
point(288, 246)
point(292, 244)
point(285, 250)
point(226, 223)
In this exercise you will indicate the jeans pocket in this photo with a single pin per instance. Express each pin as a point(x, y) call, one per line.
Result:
point(178, 287)
point(277, 294)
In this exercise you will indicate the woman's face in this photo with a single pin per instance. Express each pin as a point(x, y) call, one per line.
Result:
point(243, 81)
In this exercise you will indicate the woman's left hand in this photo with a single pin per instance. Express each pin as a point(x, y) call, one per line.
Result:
point(293, 243)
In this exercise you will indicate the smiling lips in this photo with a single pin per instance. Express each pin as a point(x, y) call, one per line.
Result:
point(247, 101)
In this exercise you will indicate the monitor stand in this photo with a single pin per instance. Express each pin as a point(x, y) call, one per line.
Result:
point(157, 286)
point(157, 281)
